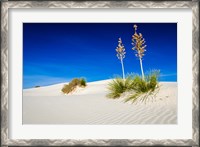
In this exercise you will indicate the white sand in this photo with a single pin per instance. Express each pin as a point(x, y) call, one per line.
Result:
point(47, 105)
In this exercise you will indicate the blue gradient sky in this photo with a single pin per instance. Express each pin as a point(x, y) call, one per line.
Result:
point(58, 52)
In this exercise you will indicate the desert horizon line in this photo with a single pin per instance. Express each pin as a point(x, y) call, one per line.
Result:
point(88, 81)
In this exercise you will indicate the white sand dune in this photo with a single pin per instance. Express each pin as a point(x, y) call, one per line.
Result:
point(47, 105)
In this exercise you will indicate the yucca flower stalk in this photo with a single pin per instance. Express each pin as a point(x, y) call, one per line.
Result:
point(139, 46)
point(121, 54)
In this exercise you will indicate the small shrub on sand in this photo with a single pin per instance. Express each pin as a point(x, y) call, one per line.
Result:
point(37, 86)
point(67, 88)
point(135, 85)
point(75, 82)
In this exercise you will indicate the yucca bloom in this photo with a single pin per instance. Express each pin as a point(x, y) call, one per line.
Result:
point(121, 54)
point(139, 46)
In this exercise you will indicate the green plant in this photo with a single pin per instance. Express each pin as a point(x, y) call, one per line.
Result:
point(67, 88)
point(118, 86)
point(135, 85)
point(143, 88)
point(152, 79)
point(83, 82)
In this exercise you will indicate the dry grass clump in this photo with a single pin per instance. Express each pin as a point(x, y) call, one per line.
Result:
point(76, 82)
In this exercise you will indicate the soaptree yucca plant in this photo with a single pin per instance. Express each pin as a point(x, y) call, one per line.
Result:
point(121, 54)
point(142, 89)
point(118, 86)
point(139, 46)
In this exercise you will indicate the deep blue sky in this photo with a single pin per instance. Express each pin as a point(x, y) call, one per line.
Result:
point(58, 52)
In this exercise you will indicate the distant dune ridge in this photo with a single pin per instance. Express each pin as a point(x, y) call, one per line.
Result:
point(89, 105)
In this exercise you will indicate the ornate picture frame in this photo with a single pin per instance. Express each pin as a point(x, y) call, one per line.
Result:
point(6, 5)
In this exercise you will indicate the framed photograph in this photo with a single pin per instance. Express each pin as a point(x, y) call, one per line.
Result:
point(99, 73)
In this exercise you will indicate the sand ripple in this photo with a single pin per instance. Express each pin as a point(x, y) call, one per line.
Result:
point(47, 105)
